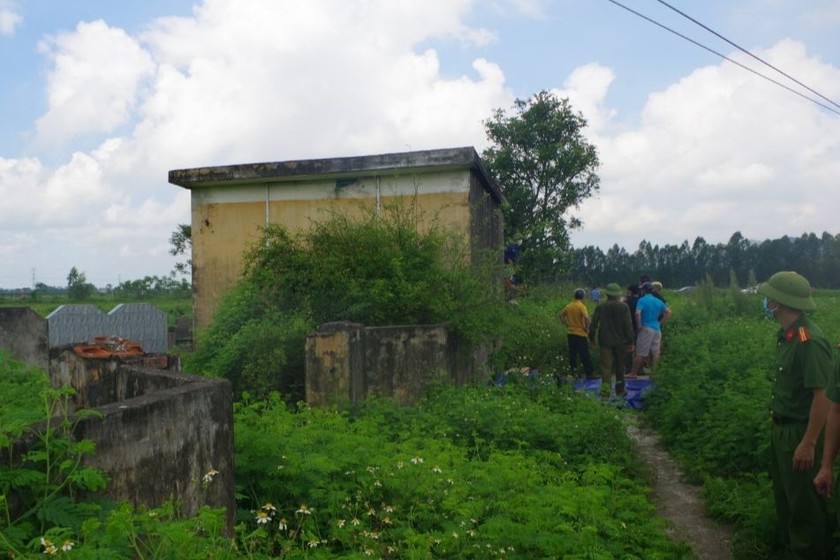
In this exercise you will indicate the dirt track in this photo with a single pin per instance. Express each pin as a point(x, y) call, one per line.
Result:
point(680, 502)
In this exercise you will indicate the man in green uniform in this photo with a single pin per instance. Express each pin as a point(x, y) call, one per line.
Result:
point(798, 410)
point(611, 330)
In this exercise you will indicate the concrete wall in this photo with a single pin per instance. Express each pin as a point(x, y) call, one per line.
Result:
point(347, 362)
point(160, 433)
point(25, 335)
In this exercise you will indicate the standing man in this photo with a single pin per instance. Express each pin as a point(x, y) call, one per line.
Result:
point(576, 318)
point(595, 294)
point(650, 314)
point(631, 298)
point(798, 409)
point(612, 331)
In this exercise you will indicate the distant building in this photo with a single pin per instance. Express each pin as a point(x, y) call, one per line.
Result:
point(231, 203)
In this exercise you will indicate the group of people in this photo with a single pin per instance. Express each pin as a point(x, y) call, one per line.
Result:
point(626, 329)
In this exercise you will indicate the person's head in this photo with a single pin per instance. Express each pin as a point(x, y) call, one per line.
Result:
point(613, 291)
point(657, 286)
point(580, 293)
point(786, 293)
point(646, 288)
point(633, 289)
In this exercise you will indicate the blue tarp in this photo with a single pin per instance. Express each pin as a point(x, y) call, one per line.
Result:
point(636, 389)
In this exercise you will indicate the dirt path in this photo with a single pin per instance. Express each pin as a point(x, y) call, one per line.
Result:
point(680, 502)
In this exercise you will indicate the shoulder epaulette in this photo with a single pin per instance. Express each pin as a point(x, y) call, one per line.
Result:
point(800, 333)
point(803, 334)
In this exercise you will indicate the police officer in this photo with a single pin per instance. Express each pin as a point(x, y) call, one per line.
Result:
point(798, 411)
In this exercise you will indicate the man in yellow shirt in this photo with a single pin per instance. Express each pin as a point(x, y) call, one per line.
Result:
point(576, 318)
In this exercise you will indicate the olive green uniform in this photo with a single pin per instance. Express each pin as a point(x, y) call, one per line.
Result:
point(803, 363)
point(612, 329)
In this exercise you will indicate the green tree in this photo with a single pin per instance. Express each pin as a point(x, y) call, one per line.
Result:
point(78, 288)
point(545, 168)
point(181, 244)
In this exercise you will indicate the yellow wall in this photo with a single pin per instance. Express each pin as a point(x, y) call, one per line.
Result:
point(226, 220)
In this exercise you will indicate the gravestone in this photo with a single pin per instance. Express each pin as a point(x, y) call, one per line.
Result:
point(141, 322)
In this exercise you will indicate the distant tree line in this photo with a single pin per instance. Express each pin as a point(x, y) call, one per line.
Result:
point(817, 258)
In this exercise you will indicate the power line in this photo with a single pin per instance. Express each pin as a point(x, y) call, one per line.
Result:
point(723, 56)
point(745, 51)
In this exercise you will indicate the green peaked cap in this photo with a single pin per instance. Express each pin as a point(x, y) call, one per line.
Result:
point(790, 289)
point(613, 289)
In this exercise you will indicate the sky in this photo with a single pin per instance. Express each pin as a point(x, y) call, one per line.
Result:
point(100, 99)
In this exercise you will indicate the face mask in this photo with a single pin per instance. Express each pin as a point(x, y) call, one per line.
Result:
point(769, 311)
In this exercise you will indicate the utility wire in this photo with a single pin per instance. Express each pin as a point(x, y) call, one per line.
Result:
point(723, 56)
point(713, 32)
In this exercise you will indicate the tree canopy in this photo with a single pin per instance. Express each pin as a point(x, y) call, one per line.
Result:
point(815, 257)
point(78, 288)
point(181, 244)
point(545, 168)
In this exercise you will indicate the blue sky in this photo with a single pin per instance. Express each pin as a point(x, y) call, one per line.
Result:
point(100, 99)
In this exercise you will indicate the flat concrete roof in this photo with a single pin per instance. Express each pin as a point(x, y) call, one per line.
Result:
point(343, 167)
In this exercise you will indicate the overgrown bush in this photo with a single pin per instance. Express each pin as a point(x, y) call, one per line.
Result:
point(480, 472)
point(376, 269)
point(42, 477)
point(528, 334)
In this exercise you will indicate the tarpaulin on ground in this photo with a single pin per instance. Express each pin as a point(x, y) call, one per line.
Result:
point(636, 389)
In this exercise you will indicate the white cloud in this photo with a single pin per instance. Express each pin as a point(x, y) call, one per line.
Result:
point(717, 152)
point(265, 80)
point(586, 88)
point(239, 81)
point(94, 80)
point(10, 19)
point(19, 183)
point(312, 79)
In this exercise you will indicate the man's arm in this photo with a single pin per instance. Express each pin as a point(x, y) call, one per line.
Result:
point(803, 456)
point(825, 478)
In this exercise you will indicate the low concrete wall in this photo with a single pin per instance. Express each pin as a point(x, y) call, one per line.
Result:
point(348, 362)
point(103, 381)
point(159, 434)
point(160, 431)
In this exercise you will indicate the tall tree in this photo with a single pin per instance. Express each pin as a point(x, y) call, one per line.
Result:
point(546, 168)
point(78, 288)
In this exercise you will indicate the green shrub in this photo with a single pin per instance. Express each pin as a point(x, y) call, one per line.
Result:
point(43, 480)
point(378, 269)
point(479, 472)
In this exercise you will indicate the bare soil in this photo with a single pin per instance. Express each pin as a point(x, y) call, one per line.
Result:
point(680, 502)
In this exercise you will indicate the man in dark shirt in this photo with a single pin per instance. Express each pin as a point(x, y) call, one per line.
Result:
point(611, 330)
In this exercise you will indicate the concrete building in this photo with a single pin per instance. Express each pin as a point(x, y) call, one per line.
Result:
point(231, 203)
